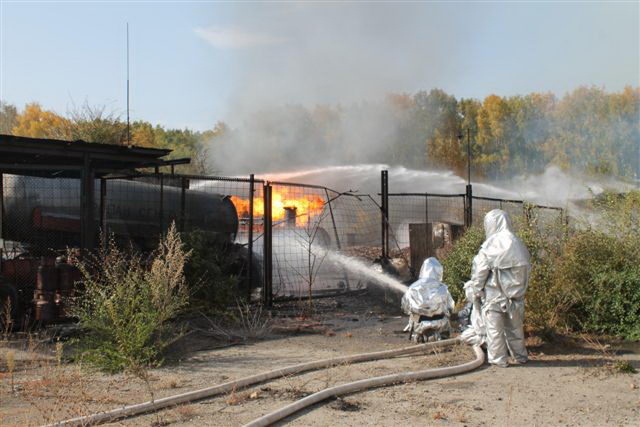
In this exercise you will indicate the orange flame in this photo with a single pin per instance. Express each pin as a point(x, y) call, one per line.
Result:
point(305, 205)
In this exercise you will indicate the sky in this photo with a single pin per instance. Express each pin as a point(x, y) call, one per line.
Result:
point(193, 64)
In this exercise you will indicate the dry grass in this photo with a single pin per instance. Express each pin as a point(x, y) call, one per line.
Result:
point(185, 412)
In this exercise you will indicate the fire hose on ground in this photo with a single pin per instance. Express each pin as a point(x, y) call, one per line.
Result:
point(154, 405)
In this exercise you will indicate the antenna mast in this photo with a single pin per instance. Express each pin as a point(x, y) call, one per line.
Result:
point(128, 125)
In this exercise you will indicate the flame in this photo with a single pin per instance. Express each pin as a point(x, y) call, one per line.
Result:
point(306, 205)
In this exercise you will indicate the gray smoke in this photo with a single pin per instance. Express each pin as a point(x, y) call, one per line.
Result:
point(297, 58)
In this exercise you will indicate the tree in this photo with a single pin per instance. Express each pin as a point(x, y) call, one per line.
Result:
point(8, 117)
point(35, 122)
point(95, 124)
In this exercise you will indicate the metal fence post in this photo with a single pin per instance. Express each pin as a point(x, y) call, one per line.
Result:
point(183, 200)
point(527, 213)
point(252, 183)
point(426, 208)
point(103, 214)
point(267, 289)
point(468, 214)
point(161, 210)
point(337, 236)
point(384, 183)
point(1, 205)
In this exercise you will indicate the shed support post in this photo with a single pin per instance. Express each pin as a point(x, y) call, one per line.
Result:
point(87, 225)
point(103, 214)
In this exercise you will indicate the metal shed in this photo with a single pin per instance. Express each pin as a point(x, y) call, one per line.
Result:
point(50, 158)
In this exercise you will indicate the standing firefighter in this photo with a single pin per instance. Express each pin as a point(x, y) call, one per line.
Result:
point(499, 279)
point(428, 304)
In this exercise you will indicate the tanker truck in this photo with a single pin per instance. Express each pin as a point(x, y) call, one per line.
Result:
point(41, 218)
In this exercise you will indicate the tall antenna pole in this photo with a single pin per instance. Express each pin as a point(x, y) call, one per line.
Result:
point(128, 125)
point(468, 156)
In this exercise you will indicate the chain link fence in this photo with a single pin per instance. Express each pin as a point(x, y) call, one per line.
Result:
point(283, 227)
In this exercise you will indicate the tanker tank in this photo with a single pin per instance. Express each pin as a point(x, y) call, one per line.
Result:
point(44, 211)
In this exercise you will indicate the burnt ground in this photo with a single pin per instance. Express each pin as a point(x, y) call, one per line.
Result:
point(574, 380)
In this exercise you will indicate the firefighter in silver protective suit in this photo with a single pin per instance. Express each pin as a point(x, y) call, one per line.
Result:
point(428, 304)
point(499, 279)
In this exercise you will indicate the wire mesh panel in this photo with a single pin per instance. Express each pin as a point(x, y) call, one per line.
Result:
point(482, 205)
point(408, 208)
point(134, 209)
point(520, 212)
point(301, 228)
point(39, 214)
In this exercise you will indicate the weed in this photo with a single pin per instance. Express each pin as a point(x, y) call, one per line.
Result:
point(185, 412)
point(439, 415)
point(59, 352)
point(127, 302)
point(255, 322)
point(11, 365)
point(6, 318)
point(624, 367)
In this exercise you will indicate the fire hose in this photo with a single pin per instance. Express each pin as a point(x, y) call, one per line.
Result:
point(154, 405)
point(367, 384)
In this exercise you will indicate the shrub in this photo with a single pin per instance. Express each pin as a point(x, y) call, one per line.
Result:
point(545, 304)
point(457, 262)
point(211, 272)
point(588, 279)
point(603, 273)
point(600, 264)
point(127, 302)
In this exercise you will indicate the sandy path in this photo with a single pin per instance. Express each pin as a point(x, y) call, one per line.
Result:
point(570, 382)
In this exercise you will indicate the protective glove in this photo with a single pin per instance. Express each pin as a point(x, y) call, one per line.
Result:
point(468, 291)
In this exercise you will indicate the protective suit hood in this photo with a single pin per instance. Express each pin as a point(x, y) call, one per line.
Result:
point(431, 269)
point(428, 296)
point(496, 221)
point(502, 248)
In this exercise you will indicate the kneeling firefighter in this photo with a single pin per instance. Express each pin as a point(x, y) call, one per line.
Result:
point(499, 279)
point(428, 303)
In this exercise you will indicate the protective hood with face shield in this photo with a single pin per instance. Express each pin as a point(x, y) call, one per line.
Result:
point(428, 302)
point(500, 270)
point(499, 280)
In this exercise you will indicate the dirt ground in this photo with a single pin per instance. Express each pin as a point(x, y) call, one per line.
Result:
point(571, 381)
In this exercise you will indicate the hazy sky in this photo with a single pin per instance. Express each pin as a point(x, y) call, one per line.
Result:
point(194, 63)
